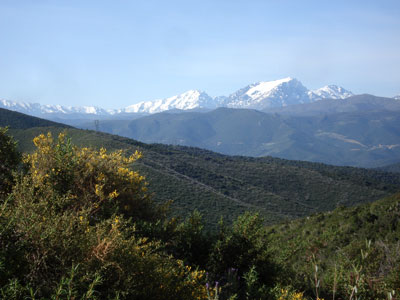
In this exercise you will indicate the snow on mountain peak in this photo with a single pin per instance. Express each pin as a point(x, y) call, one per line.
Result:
point(260, 95)
point(265, 94)
point(263, 88)
point(188, 100)
point(397, 97)
point(37, 109)
point(329, 92)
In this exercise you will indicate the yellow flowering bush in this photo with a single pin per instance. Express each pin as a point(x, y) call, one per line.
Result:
point(71, 231)
point(96, 180)
point(287, 293)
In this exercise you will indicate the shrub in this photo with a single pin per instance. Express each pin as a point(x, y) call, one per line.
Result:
point(70, 224)
point(244, 249)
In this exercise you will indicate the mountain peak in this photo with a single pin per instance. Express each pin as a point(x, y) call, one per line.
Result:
point(188, 100)
point(265, 94)
point(275, 82)
point(265, 87)
point(329, 92)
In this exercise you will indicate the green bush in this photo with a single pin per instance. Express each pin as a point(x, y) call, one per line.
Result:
point(68, 230)
point(243, 249)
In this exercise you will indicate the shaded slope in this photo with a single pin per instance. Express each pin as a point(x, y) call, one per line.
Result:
point(18, 120)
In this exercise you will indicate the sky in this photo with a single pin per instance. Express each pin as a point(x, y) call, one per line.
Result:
point(116, 53)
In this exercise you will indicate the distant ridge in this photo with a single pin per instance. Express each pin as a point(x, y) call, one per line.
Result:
point(361, 130)
point(36, 109)
point(357, 103)
point(260, 95)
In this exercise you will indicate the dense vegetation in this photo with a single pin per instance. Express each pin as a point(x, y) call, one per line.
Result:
point(9, 162)
point(80, 224)
point(219, 185)
point(345, 249)
point(68, 230)
point(395, 168)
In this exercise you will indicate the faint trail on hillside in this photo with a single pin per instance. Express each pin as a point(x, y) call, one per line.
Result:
point(274, 206)
point(204, 186)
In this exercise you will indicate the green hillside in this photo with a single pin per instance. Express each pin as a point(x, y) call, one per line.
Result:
point(219, 185)
point(21, 121)
point(347, 243)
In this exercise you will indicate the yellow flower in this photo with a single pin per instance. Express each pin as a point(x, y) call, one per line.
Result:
point(99, 190)
point(61, 136)
point(113, 194)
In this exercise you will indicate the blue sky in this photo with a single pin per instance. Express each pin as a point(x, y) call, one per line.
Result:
point(116, 53)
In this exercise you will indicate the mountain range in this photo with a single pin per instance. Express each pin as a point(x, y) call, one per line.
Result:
point(260, 95)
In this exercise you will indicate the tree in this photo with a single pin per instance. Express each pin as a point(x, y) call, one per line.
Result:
point(243, 250)
point(9, 161)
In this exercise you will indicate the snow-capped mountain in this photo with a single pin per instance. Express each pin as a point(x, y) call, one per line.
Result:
point(189, 100)
point(260, 95)
point(397, 97)
point(37, 109)
point(329, 92)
